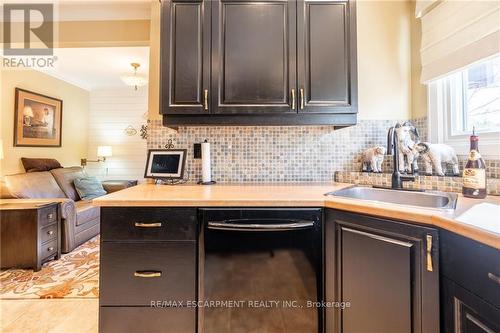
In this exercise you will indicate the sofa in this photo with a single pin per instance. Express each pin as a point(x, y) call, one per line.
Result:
point(80, 220)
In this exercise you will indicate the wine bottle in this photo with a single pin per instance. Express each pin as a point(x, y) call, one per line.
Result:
point(474, 176)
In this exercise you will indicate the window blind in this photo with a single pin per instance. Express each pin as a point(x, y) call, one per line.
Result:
point(456, 34)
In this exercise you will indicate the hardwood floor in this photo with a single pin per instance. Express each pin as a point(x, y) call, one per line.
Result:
point(49, 315)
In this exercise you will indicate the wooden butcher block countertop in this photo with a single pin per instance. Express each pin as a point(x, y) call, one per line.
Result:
point(311, 195)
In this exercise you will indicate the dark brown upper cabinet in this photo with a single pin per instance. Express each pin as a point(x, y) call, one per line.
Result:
point(258, 62)
point(326, 56)
point(253, 56)
point(185, 57)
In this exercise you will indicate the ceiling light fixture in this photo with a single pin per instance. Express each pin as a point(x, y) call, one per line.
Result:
point(135, 80)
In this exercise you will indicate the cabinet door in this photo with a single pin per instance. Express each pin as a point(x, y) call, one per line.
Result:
point(326, 56)
point(464, 312)
point(185, 56)
point(253, 56)
point(382, 268)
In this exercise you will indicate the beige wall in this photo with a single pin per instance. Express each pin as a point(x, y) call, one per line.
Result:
point(103, 33)
point(419, 90)
point(75, 119)
point(384, 60)
point(96, 33)
point(154, 63)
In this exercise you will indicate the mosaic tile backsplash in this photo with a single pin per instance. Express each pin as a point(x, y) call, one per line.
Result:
point(285, 153)
point(278, 153)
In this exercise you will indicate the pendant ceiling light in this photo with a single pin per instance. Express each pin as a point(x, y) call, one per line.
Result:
point(135, 80)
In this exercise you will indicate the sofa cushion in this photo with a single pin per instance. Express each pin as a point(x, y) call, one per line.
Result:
point(39, 164)
point(85, 212)
point(33, 185)
point(89, 188)
point(65, 177)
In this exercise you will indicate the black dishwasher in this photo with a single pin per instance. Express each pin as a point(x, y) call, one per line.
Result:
point(262, 270)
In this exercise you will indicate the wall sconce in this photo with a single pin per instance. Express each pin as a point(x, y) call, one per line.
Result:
point(102, 153)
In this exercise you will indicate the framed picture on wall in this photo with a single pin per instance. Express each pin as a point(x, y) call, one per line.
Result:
point(37, 120)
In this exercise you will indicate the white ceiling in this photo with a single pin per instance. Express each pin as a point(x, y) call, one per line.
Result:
point(96, 68)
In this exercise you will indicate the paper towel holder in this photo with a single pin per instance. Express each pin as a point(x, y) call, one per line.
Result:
point(206, 183)
point(206, 169)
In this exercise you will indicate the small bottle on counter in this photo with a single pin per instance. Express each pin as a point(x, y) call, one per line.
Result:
point(474, 176)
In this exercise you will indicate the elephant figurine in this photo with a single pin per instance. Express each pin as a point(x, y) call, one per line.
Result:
point(434, 154)
point(407, 138)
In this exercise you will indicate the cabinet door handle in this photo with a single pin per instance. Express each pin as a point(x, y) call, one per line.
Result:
point(205, 99)
point(50, 248)
point(147, 225)
point(147, 274)
point(301, 98)
point(430, 267)
point(293, 99)
point(50, 232)
point(494, 278)
point(50, 216)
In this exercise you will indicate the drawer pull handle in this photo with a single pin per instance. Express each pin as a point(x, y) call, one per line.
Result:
point(494, 278)
point(50, 216)
point(147, 225)
point(147, 274)
point(205, 99)
point(50, 232)
point(430, 267)
point(50, 249)
point(301, 99)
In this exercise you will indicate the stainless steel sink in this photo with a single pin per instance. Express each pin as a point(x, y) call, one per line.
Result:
point(430, 199)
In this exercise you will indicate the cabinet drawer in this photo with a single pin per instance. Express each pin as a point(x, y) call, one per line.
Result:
point(47, 215)
point(146, 319)
point(472, 265)
point(464, 312)
point(141, 272)
point(48, 249)
point(48, 233)
point(140, 224)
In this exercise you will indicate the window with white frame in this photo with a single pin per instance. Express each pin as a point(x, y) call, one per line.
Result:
point(467, 99)
point(477, 90)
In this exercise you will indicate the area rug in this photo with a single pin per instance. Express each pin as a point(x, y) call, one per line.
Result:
point(75, 275)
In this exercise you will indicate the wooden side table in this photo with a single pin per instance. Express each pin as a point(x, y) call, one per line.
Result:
point(30, 233)
point(116, 185)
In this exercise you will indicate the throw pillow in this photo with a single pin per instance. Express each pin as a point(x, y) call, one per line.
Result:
point(89, 188)
point(39, 164)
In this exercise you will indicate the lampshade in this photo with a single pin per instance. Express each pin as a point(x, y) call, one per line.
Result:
point(104, 151)
point(135, 80)
point(27, 111)
point(1, 149)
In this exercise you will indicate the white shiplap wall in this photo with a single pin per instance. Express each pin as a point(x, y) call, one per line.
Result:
point(111, 112)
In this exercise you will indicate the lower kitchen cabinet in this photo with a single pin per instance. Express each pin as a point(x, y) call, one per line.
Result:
point(464, 312)
point(148, 270)
point(387, 271)
point(470, 285)
point(136, 274)
point(145, 319)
